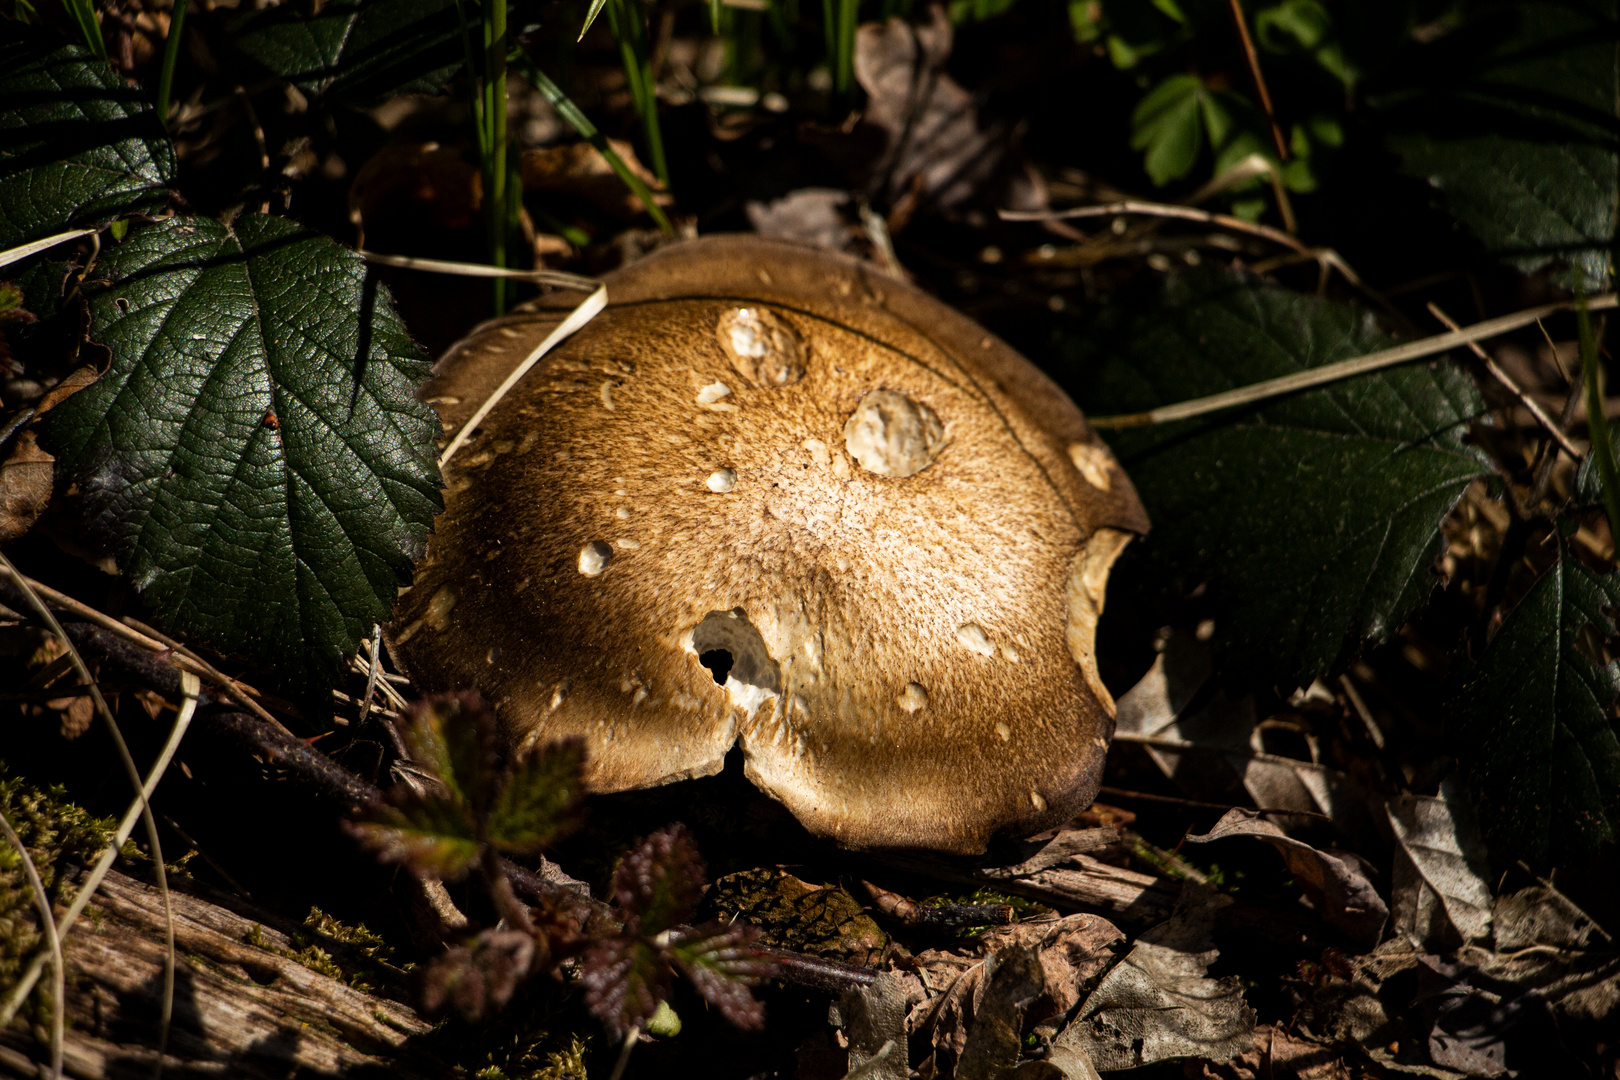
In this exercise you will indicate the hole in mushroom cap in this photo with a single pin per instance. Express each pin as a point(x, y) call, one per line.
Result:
point(593, 558)
point(750, 675)
point(891, 435)
point(913, 697)
point(719, 662)
point(762, 347)
point(721, 481)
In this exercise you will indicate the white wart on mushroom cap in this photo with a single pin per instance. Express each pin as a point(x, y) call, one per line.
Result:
point(771, 498)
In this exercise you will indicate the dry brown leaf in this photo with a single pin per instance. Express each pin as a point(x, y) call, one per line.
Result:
point(1070, 951)
point(937, 152)
point(1336, 883)
point(422, 181)
point(580, 170)
point(814, 216)
point(28, 473)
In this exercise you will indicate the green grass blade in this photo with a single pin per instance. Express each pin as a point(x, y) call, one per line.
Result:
point(843, 60)
point(1596, 422)
point(590, 17)
point(171, 57)
point(577, 120)
point(475, 94)
point(83, 13)
point(714, 15)
point(625, 20)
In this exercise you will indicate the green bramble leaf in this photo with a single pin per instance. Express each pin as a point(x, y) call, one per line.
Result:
point(1533, 722)
point(255, 454)
point(78, 145)
point(452, 736)
point(539, 797)
point(1314, 518)
point(365, 50)
point(1512, 119)
point(1166, 125)
point(432, 835)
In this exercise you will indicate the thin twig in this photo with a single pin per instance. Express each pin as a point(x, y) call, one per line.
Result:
point(1374, 732)
point(1259, 77)
point(238, 692)
point(53, 943)
point(588, 309)
point(147, 638)
point(1147, 796)
point(190, 687)
point(1163, 210)
point(371, 675)
point(1514, 388)
point(1344, 369)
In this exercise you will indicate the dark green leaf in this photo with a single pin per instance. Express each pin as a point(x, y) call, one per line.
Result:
point(360, 49)
point(431, 835)
point(1167, 126)
point(1515, 125)
point(538, 798)
point(721, 962)
point(625, 979)
point(1533, 722)
point(255, 453)
point(1314, 518)
point(452, 736)
point(658, 883)
point(78, 145)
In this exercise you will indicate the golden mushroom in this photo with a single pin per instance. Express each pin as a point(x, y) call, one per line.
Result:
point(771, 498)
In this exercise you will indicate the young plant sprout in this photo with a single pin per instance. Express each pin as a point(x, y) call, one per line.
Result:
point(773, 498)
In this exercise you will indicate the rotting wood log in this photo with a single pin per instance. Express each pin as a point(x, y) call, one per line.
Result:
point(243, 1007)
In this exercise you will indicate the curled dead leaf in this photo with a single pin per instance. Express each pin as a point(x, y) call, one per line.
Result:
point(28, 473)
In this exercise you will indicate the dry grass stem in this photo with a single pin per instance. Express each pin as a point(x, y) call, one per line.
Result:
point(1259, 77)
point(21, 252)
point(542, 276)
point(1374, 732)
point(584, 313)
point(1514, 388)
point(1344, 369)
point(190, 687)
point(1161, 210)
point(53, 944)
point(1176, 800)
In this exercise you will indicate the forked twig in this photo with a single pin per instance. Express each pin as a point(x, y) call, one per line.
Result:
point(1344, 369)
point(1514, 388)
point(53, 944)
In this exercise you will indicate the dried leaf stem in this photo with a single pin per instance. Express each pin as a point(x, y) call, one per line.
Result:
point(584, 313)
point(1597, 423)
point(1345, 369)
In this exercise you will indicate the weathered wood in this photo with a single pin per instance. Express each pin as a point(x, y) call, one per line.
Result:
point(242, 1008)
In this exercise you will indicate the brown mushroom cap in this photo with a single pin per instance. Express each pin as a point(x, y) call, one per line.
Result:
point(887, 529)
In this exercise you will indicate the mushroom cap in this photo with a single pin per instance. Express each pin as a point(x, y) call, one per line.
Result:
point(881, 528)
